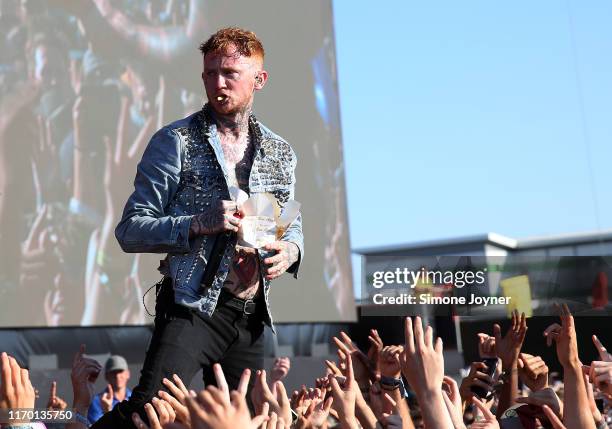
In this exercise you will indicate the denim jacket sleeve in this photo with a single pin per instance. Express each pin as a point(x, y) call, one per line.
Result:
point(145, 226)
point(294, 232)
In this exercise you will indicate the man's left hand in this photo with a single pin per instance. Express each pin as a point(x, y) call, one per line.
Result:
point(287, 254)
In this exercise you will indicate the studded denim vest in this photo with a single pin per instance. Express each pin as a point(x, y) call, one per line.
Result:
point(182, 172)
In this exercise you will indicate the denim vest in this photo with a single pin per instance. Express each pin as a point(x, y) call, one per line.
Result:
point(181, 173)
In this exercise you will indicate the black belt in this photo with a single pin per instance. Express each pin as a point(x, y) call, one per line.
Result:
point(246, 306)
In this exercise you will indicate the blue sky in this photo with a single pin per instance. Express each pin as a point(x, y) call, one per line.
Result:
point(462, 118)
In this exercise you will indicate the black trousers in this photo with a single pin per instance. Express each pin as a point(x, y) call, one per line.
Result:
point(183, 342)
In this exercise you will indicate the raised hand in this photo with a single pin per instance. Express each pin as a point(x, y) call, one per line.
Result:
point(40, 257)
point(392, 419)
point(509, 347)
point(542, 397)
point(389, 361)
point(489, 422)
point(564, 336)
point(363, 412)
point(84, 373)
point(281, 368)
point(221, 382)
point(456, 415)
point(552, 418)
point(533, 371)
point(287, 253)
point(278, 400)
point(55, 402)
point(452, 399)
point(345, 396)
point(476, 378)
point(159, 413)
point(376, 348)
point(301, 400)
point(176, 398)
point(600, 374)
point(603, 352)
point(106, 400)
point(275, 422)
point(591, 397)
point(423, 366)
point(315, 416)
point(332, 368)
point(486, 346)
point(421, 361)
point(364, 369)
point(16, 390)
point(211, 411)
point(377, 401)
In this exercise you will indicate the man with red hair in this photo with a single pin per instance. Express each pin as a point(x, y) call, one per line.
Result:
point(213, 301)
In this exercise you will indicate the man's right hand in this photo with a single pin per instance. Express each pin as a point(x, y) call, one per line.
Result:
point(477, 377)
point(107, 399)
point(533, 371)
point(223, 216)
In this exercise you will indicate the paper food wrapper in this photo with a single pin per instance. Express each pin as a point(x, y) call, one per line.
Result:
point(263, 222)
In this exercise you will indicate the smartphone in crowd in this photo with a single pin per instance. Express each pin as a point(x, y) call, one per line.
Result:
point(491, 364)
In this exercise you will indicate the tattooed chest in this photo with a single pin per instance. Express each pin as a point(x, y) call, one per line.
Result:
point(243, 278)
point(238, 155)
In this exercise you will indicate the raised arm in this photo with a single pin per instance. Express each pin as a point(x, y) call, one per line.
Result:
point(578, 415)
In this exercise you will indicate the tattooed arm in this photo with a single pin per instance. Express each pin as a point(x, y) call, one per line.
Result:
point(287, 254)
point(216, 219)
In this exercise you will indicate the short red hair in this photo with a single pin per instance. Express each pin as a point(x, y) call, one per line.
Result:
point(234, 39)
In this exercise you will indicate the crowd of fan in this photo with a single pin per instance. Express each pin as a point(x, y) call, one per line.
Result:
point(368, 390)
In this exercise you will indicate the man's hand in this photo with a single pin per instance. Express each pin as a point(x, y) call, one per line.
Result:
point(315, 416)
point(603, 352)
point(16, 390)
point(533, 371)
point(423, 366)
point(107, 399)
point(210, 410)
point(452, 399)
point(600, 374)
point(509, 347)
point(287, 253)
point(55, 402)
point(552, 418)
point(564, 336)
point(280, 369)
point(364, 369)
point(223, 216)
point(489, 422)
point(390, 361)
point(393, 419)
point(477, 377)
point(486, 346)
point(578, 414)
point(160, 414)
point(422, 361)
point(345, 396)
point(277, 397)
point(84, 373)
point(543, 397)
point(592, 404)
point(176, 398)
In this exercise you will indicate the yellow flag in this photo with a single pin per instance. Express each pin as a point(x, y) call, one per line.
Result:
point(518, 290)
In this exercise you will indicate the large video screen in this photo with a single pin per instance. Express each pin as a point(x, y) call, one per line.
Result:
point(85, 84)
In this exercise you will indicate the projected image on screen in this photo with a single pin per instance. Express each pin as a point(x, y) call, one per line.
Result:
point(83, 87)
